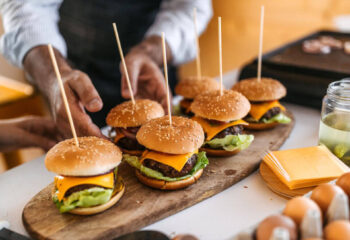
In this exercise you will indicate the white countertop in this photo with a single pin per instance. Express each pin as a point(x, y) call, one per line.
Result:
point(219, 217)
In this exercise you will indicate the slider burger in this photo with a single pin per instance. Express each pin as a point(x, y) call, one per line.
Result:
point(87, 180)
point(191, 87)
point(265, 111)
point(220, 117)
point(171, 159)
point(126, 119)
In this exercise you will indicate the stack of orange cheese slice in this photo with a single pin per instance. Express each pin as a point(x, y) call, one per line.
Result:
point(305, 167)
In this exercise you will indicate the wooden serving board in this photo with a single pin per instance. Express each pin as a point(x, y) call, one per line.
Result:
point(273, 182)
point(141, 205)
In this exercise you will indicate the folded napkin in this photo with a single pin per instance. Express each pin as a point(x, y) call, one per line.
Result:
point(305, 167)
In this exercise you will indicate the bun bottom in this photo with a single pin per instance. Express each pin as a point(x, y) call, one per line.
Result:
point(99, 208)
point(163, 185)
point(261, 126)
point(219, 152)
point(137, 153)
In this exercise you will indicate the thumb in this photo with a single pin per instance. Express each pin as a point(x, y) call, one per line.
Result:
point(133, 70)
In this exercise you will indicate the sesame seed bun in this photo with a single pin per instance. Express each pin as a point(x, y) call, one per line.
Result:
point(94, 156)
point(267, 89)
point(160, 184)
point(192, 86)
point(127, 114)
point(183, 136)
point(99, 208)
point(229, 106)
point(211, 152)
point(261, 126)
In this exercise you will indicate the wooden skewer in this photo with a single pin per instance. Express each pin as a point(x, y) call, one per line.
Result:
point(123, 62)
point(261, 42)
point(198, 57)
point(220, 54)
point(166, 76)
point(65, 101)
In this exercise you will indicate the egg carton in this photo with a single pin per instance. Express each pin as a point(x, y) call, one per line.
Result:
point(311, 226)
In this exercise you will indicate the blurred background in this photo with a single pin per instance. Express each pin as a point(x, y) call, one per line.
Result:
point(285, 21)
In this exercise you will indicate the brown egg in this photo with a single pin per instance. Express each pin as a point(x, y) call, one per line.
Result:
point(344, 183)
point(266, 227)
point(337, 230)
point(324, 194)
point(312, 238)
point(296, 208)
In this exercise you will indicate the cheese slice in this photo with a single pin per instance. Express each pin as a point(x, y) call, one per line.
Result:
point(258, 110)
point(212, 130)
point(305, 167)
point(63, 184)
point(176, 161)
point(119, 136)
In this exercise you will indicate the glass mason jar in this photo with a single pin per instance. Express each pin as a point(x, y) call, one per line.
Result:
point(335, 120)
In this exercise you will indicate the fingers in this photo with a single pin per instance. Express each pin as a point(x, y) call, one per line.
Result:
point(81, 84)
point(33, 140)
point(133, 65)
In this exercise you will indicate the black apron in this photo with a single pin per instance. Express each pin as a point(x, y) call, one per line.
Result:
point(86, 26)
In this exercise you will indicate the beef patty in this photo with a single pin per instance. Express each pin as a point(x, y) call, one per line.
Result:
point(169, 171)
point(130, 144)
point(233, 130)
point(271, 113)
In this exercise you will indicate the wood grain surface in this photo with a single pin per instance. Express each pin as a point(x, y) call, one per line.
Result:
point(141, 205)
point(273, 182)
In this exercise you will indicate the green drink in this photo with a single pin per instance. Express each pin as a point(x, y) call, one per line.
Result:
point(335, 134)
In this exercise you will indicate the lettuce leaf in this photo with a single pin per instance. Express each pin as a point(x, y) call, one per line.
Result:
point(85, 198)
point(202, 162)
point(280, 118)
point(231, 142)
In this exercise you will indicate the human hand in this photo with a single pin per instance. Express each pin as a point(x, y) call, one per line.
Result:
point(81, 94)
point(27, 132)
point(147, 80)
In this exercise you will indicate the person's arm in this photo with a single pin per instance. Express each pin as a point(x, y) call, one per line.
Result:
point(144, 61)
point(27, 132)
point(29, 27)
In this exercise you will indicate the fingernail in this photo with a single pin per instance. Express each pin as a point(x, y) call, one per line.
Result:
point(94, 104)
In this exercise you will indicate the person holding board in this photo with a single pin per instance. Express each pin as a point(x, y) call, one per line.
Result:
point(82, 36)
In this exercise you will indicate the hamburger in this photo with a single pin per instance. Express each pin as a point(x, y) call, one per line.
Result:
point(87, 180)
point(221, 118)
point(126, 119)
point(191, 87)
point(171, 159)
point(266, 111)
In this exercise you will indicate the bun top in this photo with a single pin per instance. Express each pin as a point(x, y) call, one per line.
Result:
point(230, 106)
point(94, 156)
point(127, 114)
point(267, 89)
point(192, 86)
point(183, 136)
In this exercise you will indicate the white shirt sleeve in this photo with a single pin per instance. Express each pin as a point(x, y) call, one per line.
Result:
point(175, 19)
point(29, 23)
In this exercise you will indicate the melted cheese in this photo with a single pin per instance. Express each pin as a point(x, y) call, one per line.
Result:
point(119, 136)
point(63, 184)
point(305, 167)
point(258, 110)
point(176, 161)
point(212, 130)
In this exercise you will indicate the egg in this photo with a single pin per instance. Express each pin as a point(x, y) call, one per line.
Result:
point(324, 194)
point(344, 183)
point(266, 227)
point(337, 230)
point(296, 208)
